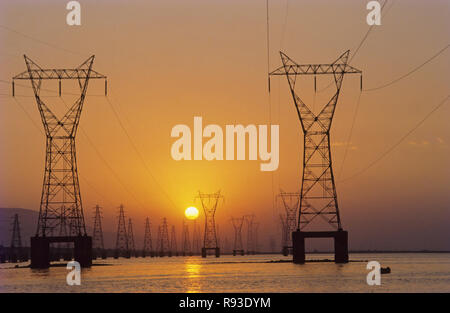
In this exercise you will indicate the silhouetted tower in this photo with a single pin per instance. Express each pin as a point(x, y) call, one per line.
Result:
point(173, 250)
point(284, 235)
point(255, 237)
point(97, 238)
point(291, 202)
point(148, 247)
point(318, 196)
point(130, 236)
point(209, 204)
point(122, 249)
point(237, 225)
point(61, 195)
point(249, 220)
point(186, 241)
point(163, 241)
point(196, 239)
point(16, 241)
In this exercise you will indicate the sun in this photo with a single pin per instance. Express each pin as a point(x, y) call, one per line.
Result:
point(191, 213)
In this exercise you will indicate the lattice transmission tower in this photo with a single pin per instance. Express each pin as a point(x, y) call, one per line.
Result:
point(15, 253)
point(61, 197)
point(148, 247)
point(209, 203)
point(186, 240)
point(318, 196)
point(163, 239)
point(249, 221)
point(196, 239)
point(98, 245)
point(238, 247)
point(130, 236)
point(122, 249)
point(173, 250)
point(291, 203)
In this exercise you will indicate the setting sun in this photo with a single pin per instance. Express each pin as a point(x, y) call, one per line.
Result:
point(191, 213)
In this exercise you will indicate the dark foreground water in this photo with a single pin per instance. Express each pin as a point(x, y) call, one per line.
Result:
point(418, 272)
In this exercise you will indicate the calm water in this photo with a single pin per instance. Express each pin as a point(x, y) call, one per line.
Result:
point(410, 273)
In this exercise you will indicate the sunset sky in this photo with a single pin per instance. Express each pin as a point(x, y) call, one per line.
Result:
point(168, 61)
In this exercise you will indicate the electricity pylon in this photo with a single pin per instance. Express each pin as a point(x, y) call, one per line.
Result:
point(122, 249)
point(173, 250)
point(237, 225)
point(209, 204)
point(163, 242)
point(97, 238)
point(148, 247)
point(291, 202)
point(186, 241)
point(16, 241)
point(61, 195)
point(255, 237)
point(318, 195)
point(249, 220)
point(284, 235)
point(130, 237)
point(196, 239)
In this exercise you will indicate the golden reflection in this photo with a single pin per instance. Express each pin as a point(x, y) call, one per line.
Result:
point(192, 267)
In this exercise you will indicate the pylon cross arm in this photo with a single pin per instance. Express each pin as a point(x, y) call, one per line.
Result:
point(315, 69)
point(40, 74)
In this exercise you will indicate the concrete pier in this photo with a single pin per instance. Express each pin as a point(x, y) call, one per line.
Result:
point(40, 250)
point(340, 244)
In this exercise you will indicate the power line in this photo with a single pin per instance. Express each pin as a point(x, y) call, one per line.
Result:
point(410, 72)
point(350, 135)
point(141, 158)
point(359, 45)
point(39, 41)
point(100, 156)
point(383, 155)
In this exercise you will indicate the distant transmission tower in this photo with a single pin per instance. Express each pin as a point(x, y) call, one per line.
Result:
point(148, 247)
point(237, 225)
point(122, 249)
point(173, 250)
point(61, 197)
point(255, 238)
point(318, 195)
point(97, 238)
point(163, 242)
point(291, 202)
point(196, 244)
point(186, 242)
point(284, 235)
point(209, 204)
point(16, 241)
point(130, 236)
point(249, 221)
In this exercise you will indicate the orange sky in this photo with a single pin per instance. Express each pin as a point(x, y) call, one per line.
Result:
point(168, 61)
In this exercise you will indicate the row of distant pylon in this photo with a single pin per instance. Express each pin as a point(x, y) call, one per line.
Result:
point(125, 245)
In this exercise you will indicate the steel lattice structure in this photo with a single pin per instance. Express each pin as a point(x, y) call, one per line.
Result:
point(16, 238)
point(186, 241)
point(148, 247)
point(130, 236)
point(318, 195)
point(122, 248)
point(97, 237)
point(163, 238)
point(291, 202)
point(249, 221)
point(237, 225)
point(209, 204)
point(61, 198)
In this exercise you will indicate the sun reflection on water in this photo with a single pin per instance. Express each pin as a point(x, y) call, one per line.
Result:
point(193, 277)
